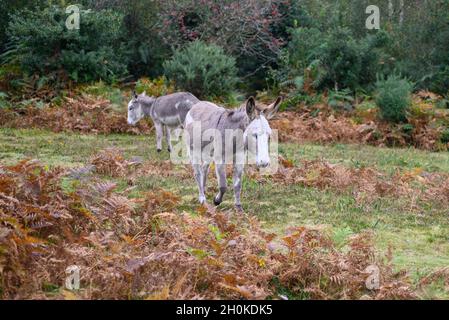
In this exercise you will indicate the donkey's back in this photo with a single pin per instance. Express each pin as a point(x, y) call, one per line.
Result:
point(205, 112)
point(171, 110)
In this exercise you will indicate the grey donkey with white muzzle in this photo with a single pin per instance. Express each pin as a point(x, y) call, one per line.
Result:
point(223, 136)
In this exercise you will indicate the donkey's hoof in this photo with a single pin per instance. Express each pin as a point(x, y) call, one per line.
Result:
point(239, 208)
point(169, 150)
point(159, 150)
point(217, 201)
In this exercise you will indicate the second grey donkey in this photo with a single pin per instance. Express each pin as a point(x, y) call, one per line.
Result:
point(167, 112)
point(250, 120)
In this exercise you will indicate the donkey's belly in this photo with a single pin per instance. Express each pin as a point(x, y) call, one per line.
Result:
point(171, 121)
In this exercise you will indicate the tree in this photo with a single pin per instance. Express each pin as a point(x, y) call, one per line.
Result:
point(242, 28)
point(42, 45)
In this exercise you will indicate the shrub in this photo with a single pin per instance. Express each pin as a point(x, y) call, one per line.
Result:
point(334, 60)
point(302, 45)
point(341, 61)
point(296, 58)
point(42, 45)
point(393, 97)
point(202, 69)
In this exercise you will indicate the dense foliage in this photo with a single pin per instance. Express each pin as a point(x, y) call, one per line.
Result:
point(336, 59)
point(324, 44)
point(42, 45)
point(202, 69)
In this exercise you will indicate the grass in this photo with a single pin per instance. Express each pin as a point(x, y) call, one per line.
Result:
point(384, 159)
point(418, 235)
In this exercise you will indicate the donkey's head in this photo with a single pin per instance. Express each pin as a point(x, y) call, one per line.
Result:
point(258, 132)
point(135, 110)
point(135, 107)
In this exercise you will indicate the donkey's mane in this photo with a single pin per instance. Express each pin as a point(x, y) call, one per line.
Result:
point(237, 114)
point(146, 99)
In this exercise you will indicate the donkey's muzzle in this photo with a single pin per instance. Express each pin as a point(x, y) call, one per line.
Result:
point(262, 164)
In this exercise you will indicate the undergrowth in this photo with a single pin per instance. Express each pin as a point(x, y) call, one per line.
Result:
point(145, 248)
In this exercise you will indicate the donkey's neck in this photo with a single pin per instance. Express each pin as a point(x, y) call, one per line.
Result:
point(238, 116)
point(147, 105)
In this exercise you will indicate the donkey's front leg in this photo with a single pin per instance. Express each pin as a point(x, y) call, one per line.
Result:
point(168, 137)
point(237, 181)
point(159, 135)
point(220, 171)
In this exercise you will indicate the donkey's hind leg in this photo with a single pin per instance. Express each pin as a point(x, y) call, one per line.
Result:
point(205, 171)
point(237, 181)
point(220, 171)
point(198, 172)
point(159, 135)
point(168, 137)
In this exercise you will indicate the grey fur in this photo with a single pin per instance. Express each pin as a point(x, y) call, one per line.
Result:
point(167, 112)
point(211, 116)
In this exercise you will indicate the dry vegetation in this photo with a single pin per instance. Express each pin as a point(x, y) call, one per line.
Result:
point(319, 123)
point(145, 248)
point(83, 113)
point(112, 162)
point(148, 247)
point(365, 183)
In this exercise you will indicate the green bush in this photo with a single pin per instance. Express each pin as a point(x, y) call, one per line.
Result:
point(202, 69)
point(393, 97)
point(339, 60)
point(421, 45)
point(302, 45)
point(335, 59)
point(42, 45)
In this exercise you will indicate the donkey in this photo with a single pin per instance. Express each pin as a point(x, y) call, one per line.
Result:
point(167, 112)
point(216, 123)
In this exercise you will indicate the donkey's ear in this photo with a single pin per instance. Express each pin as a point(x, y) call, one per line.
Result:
point(134, 94)
point(273, 108)
point(250, 106)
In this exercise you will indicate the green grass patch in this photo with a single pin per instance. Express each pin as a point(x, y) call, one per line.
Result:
point(383, 159)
